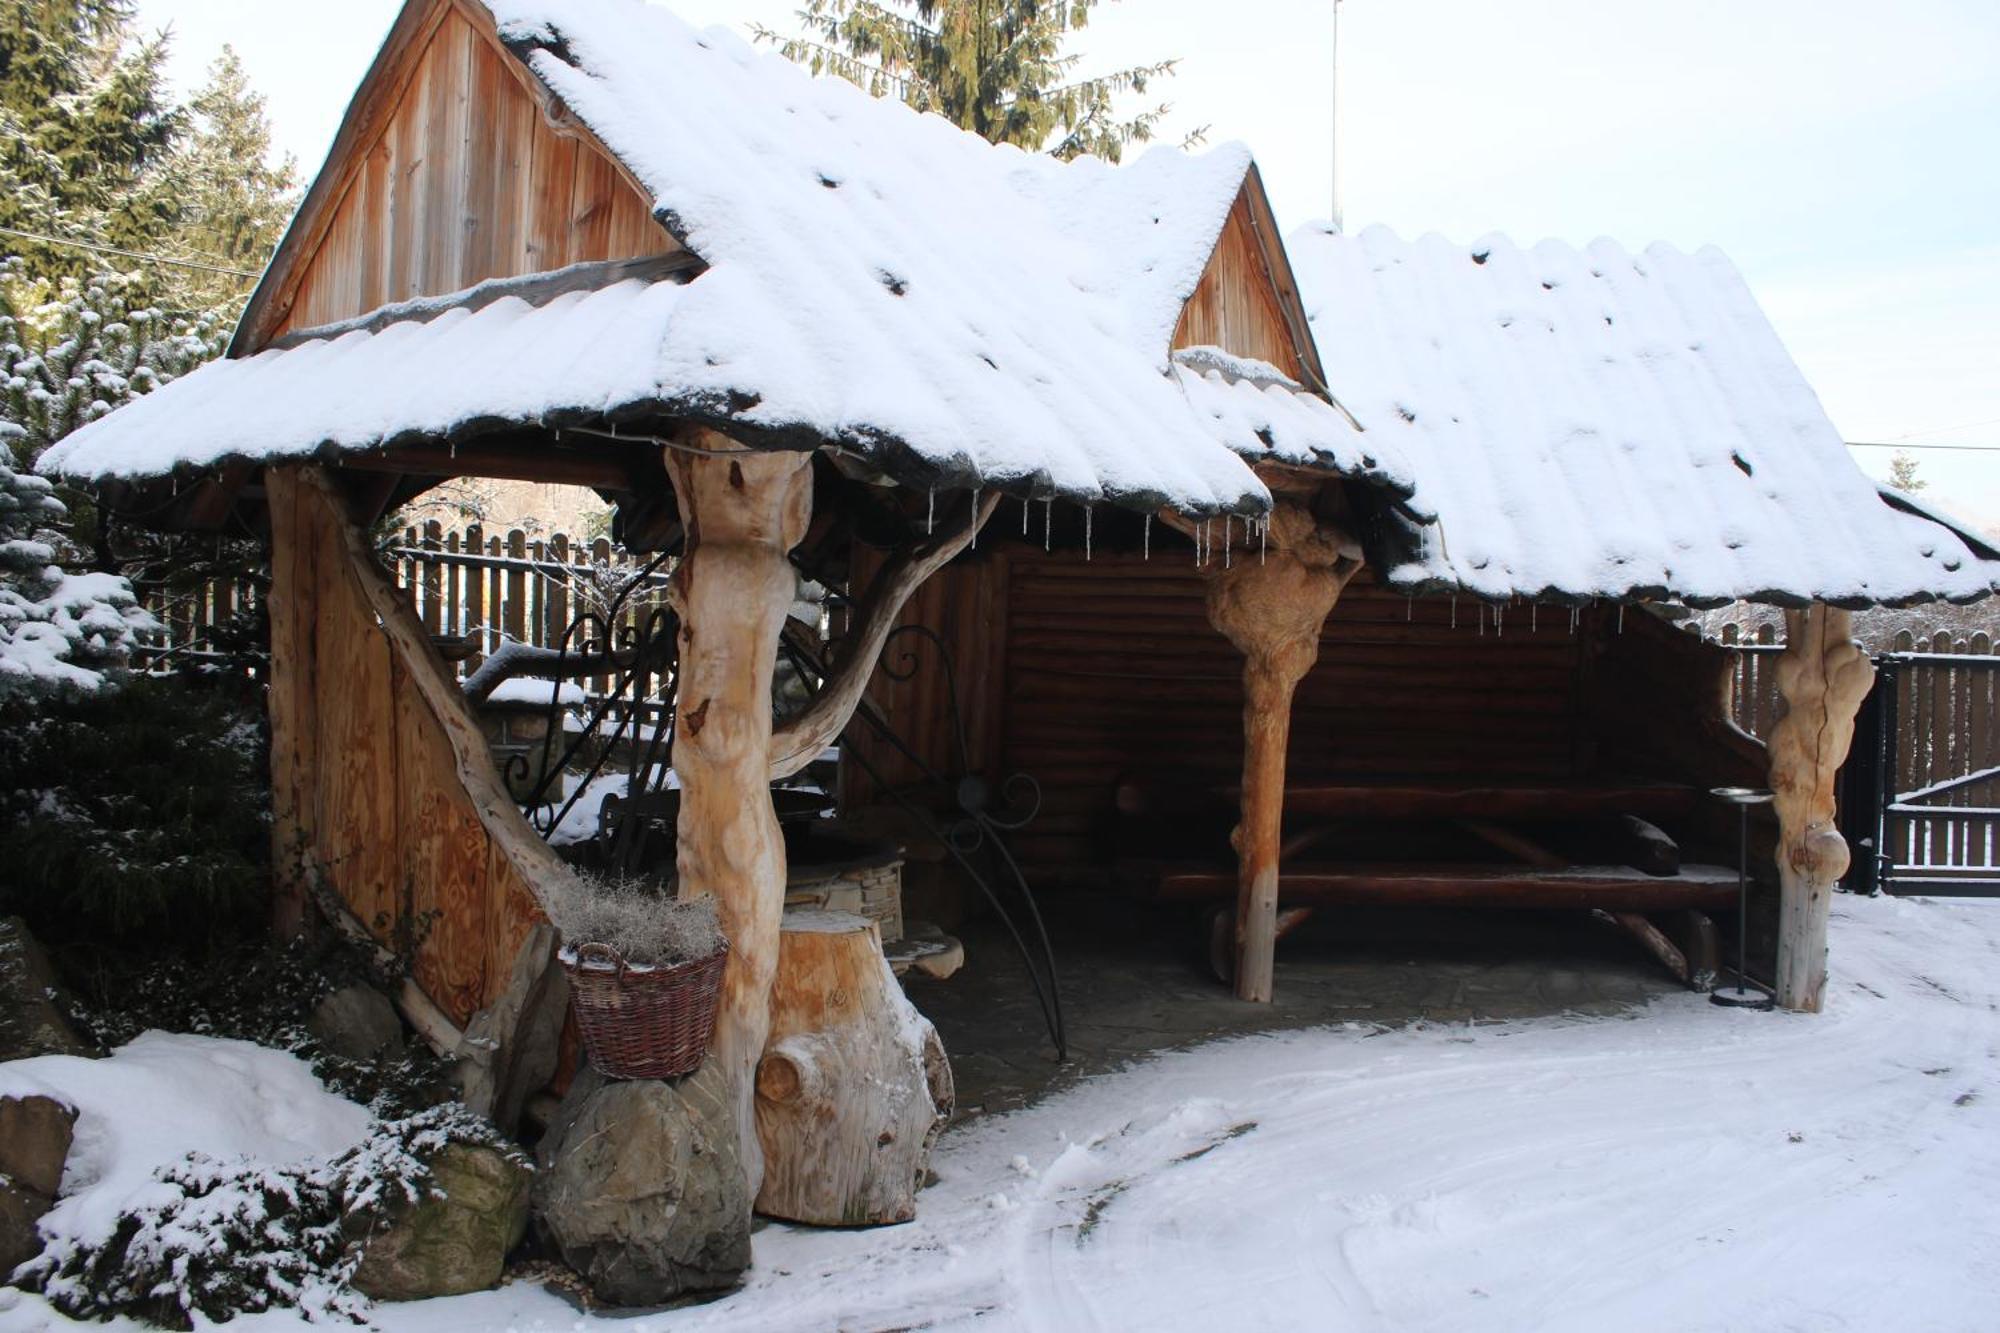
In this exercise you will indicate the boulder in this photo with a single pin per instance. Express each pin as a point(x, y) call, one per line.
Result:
point(456, 1242)
point(359, 1022)
point(641, 1187)
point(20, 1209)
point(35, 1134)
point(30, 1021)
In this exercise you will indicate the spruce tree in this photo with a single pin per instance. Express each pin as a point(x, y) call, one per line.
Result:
point(995, 67)
point(85, 123)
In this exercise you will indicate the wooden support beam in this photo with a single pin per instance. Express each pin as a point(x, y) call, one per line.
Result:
point(1823, 676)
point(1272, 603)
point(515, 456)
point(744, 512)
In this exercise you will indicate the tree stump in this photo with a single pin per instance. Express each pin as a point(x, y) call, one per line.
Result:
point(854, 1087)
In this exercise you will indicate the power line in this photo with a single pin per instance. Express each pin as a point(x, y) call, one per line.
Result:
point(1915, 448)
point(95, 248)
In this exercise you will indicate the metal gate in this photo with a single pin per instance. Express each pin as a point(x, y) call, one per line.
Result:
point(1923, 779)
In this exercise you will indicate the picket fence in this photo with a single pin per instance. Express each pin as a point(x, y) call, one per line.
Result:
point(467, 584)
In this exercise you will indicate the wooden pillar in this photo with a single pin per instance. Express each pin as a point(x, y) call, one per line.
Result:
point(1271, 600)
point(1823, 676)
point(744, 512)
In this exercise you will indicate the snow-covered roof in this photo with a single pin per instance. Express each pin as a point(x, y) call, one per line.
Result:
point(959, 314)
point(1601, 424)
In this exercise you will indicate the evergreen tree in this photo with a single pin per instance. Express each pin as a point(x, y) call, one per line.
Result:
point(995, 67)
point(232, 203)
point(1903, 473)
point(85, 123)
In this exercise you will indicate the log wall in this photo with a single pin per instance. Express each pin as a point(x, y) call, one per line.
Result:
point(376, 762)
point(449, 173)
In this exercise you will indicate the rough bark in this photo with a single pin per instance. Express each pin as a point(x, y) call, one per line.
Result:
point(1271, 603)
point(1823, 676)
point(744, 512)
point(853, 1088)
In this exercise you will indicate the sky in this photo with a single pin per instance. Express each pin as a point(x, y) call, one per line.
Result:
point(1845, 153)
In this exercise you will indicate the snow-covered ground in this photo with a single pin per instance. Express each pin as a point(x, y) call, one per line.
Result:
point(1686, 1167)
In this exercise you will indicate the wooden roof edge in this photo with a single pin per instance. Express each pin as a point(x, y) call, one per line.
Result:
point(361, 127)
point(536, 289)
point(1278, 269)
point(366, 111)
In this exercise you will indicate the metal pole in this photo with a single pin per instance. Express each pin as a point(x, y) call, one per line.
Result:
point(1742, 898)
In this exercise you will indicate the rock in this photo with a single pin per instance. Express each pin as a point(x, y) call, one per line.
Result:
point(358, 1022)
point(20, 1209)
point(641, 1187)
point(30, 1022)
point(35, 1134)
point(454, 1244)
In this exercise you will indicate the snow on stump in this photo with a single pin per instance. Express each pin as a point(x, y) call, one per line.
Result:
point(35, 1138)
point(854, 1087)
point(641, 1187)
point(456, 1241)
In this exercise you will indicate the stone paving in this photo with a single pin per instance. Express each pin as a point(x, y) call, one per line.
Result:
point(1132, 985)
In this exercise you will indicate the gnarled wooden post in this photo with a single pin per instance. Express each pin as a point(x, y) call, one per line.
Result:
point(744, 512)
point(1271, 601)
point(1823, 676)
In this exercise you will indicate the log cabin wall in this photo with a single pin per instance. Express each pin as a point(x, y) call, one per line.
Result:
point(367, 768)
point(449, 173)
point(1113, 672)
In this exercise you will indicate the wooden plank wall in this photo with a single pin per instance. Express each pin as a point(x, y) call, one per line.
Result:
point(1235, 306)
point(365, 778)
point(466, 180)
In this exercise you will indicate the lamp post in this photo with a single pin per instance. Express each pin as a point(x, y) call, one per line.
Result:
point(1742, 995)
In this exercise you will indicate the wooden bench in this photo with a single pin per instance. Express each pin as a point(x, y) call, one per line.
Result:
point(1524, 840)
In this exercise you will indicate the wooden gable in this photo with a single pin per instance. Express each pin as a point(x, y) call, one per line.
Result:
point(454, 165)
point(1247, 302)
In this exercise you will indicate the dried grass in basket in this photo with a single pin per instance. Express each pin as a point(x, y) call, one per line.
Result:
point(642, 1021)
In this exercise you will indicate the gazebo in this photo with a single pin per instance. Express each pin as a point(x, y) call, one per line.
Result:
point(578, 241)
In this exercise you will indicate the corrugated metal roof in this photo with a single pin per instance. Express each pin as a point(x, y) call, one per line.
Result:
point(1593, 423)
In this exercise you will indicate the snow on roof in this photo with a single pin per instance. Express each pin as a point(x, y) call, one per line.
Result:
point(1600, 424)
point(958, 313)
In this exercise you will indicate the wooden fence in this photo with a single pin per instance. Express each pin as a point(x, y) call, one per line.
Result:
point(469, 584)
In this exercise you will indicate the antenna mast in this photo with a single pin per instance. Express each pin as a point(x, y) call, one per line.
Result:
point(1335, 126)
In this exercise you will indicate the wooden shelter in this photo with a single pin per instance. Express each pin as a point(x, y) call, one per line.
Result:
point(783, 325)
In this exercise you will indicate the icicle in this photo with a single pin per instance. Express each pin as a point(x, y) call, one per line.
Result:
point(1621, 617)
point(1048, 522)
point(1482, 620)
point(1572, 620)
point(930, 519)
point(1499, 622)
point(1026, 504)
point(1263, 538)
point(1409, 608)
point(1086, 533)
point(1228, 549)
point(975, 518)
point(1534, 617)
point(1146, 541)
point(1454, 613)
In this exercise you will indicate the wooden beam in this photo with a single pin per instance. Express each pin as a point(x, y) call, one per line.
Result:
point(1823, 676)
point(1272, 607)
point(1401, 884)
point(517, 456)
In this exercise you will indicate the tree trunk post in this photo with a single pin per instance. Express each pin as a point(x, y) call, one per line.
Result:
point(1823, 676)
point(744, 512)
point(1271, 601)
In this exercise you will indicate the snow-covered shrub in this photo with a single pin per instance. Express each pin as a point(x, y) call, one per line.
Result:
point(136, 816)
point(59, 632)
point(225, 1238)
point(642, 922)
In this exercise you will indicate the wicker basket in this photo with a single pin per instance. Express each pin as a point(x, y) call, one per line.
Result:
point(643, 1022)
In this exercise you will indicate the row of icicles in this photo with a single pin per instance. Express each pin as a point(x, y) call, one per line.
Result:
point(1260, 528)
